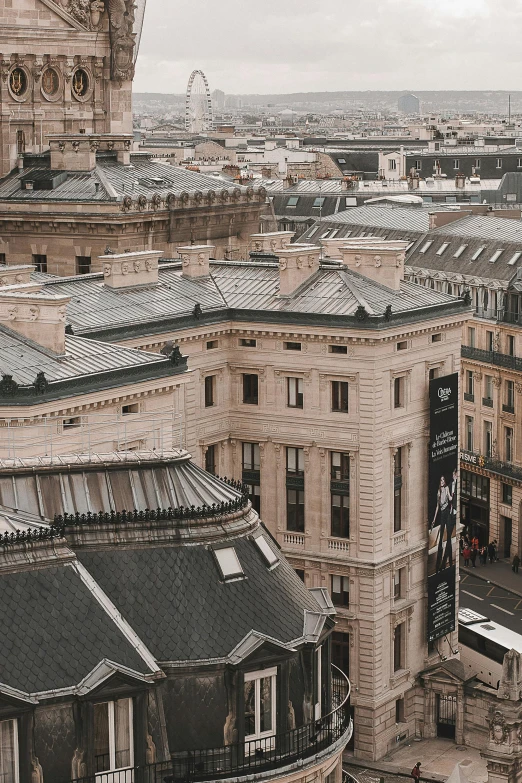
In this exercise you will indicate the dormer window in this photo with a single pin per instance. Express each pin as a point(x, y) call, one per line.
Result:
point(228, 563)
point(266, 550)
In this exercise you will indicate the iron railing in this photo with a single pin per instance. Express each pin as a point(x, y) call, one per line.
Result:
point(248, 757)
point(470, 458)
point(492, 357)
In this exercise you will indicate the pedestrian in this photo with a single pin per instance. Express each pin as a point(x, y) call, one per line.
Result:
point(415, 773)
point(491, 551)
point(484, 555)
point(474, 542)
point(516, 563)
point(466, 554)
point(474, 553)
point(495, 545)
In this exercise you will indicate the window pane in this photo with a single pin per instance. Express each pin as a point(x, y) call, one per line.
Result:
point(102, 760)
point(250, 708)
point(265, 717)
point(8, 752)
point(122, 729)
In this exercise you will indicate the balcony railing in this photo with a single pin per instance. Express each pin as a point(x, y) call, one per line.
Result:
point(492, 357)
point(468, 458)
point(248, 757)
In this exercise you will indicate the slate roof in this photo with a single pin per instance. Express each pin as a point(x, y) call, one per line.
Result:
point(175, 600)
point(54, 631)
point(241, 286)
point(114, 180)
point(23, 359)
point(305, 205)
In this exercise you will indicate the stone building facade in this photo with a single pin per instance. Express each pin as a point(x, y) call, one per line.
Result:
point(310, 382)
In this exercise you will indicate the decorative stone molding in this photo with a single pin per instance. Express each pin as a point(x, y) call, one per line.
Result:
point(498, 729)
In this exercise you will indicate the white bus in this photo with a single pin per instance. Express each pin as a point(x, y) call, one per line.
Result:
point(483, 645)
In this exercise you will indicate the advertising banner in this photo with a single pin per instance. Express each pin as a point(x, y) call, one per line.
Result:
point(443, 504)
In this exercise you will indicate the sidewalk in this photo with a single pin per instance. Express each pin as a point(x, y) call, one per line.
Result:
point(499, 574)
point(438, 758)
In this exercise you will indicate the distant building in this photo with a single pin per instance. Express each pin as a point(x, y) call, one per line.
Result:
point(409, 104)
point(218, 100)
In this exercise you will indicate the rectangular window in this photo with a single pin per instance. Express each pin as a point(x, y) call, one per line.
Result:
point(488, 438)
point(260, 708)
point(477, 252)
point(340, 396)
point(294, 461)
point(340, 519)
point(402, 346)
point(398, 583)
point(489, 341)
point(295, 392)
point(469, 385)
point(113, 736)
point(499, 163)
point(398, 657)
point(209, 390)
point(514, 258)
point(254, 495)
point(211, 344)
point(496, 255)
point(426, 246)
point(397, 489)
point(318, 202)
point(398, 392)
point(292, 201)
point(340, 590)
point(2, 259)
point(436, 338)
point(131, 408)
point(250, 389)
point(340, 466)
point(338, 349)
point(247, 342)
point(509, 404)
point(83, 265)
point(456, 165)
point(471, 336)
point(300, 573)
point(477, 163)
point(292, 346)
point(469, 433)
point(251, 456)
point(399, 711)
point(392, 164)
point(40, 262)
point(341, 651)
point(508, 444)
point(210, 459)
point(507, 494)
point(511, 345)
point(295, 520)
point(9, 751)
point(488, 388)
point(418, 165)
point(74, 421)
point(442, 248)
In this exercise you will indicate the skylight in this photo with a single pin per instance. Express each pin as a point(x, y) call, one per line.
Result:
point(325, 235)
point(478, 252)
point(409, 246)
point(334, 232)
point(228, 563)
point(495, 255)
point(514, 258)
point(442, 248)
point(460, 251)
point(319, 201)
point(313, 231)
point(292, 201)
point(266, 550)
point(426, 246)
point(341, 160)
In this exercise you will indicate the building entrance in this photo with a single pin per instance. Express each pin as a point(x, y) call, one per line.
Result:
point(446, 716)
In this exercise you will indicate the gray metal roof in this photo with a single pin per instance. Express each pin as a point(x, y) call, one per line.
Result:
point(390, 217)
point(23, 359)
point(484, 227)
point(252, 286)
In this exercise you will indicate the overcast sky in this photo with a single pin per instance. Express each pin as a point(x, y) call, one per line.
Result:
point(276, 46)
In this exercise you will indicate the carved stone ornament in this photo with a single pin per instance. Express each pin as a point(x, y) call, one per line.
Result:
point(498, 729)
point(121, 23)
point(8, 386)
point(40, 383)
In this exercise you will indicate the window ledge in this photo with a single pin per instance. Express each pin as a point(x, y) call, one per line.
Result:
point(398, 677)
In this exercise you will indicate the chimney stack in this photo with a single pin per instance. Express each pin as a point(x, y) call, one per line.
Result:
point(271, 242)
point(129, 270)
point(18, 274)
point(36, 315)
point(379, 260)
point(297, 264)
point(196, 260)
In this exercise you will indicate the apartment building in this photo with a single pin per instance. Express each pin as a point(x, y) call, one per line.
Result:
point(310, 383)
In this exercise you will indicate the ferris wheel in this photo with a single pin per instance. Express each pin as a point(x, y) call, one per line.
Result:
point(198, 105)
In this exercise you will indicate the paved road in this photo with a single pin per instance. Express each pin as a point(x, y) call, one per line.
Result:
point(496, 603)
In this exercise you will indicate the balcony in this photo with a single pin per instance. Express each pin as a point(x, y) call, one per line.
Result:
point(492, 357)
point(470, 458)
point(487, 401)
point(469, 397)
point(248, 758)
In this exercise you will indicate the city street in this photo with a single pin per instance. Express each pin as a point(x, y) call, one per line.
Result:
point(502, 604)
